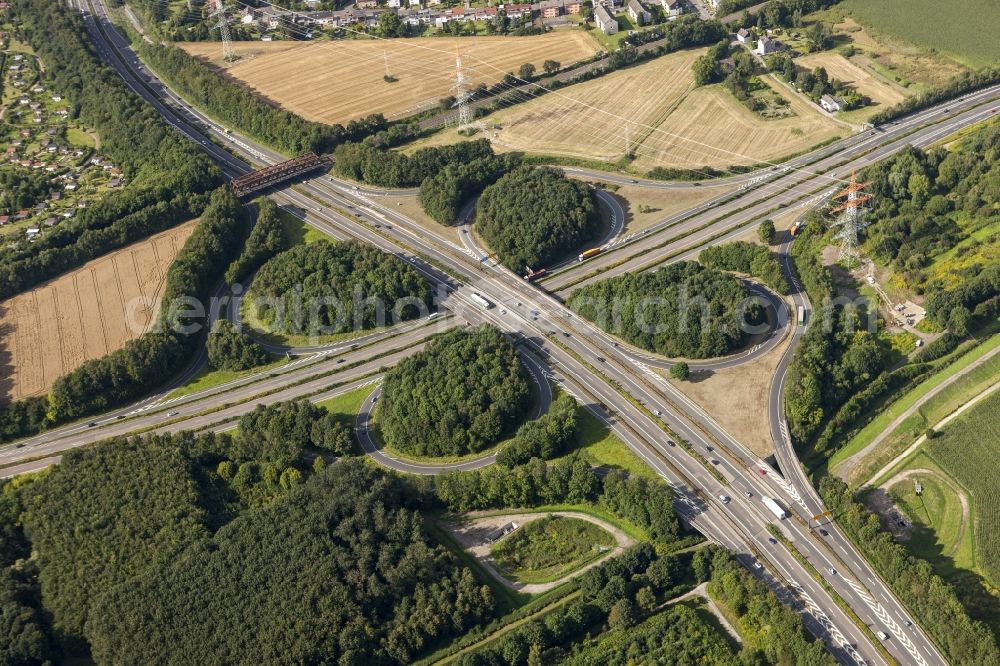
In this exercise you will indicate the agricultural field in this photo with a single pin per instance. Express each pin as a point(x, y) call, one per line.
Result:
point(966, 453)
point(85, 314)
point(337, 81)
point(549, 548)
point(583, 120)
point(964, 33)
point(897, 60)
point(882, 91)
point(673, 124)
point(711, 127)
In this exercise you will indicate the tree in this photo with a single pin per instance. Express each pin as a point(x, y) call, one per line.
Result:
point(390, 25)
point(705, 70)
point(958, 321)
point(680, 371)
point(766, 232)
point(646, 599)
point(230, 348)
point(526, 71)
point(550, 66)
point(623, 615)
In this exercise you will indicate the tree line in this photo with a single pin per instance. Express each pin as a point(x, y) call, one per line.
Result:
point(369, 163)
point(337, 287)
point(743, 257)
point(679, 310)
point(247, 112)
point(545, 437)
point(165, 174)
point(110, 381)
point(535, 216)
point(460, 395)
point(960, 84)
point(266, 239)
point(837, 356)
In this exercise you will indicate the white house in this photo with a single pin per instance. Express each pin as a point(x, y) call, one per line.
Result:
point(637, 12)
point(742, 35)
point(766, 46)
point(831, 103)
point(672, 8)
point(605, 21)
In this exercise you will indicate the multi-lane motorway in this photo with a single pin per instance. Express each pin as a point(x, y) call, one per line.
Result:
point(610, 379)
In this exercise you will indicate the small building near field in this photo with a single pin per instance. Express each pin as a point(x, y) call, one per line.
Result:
point(831, 103)
point(742, 35)
point(767, 46)
point(605, 21)
point(637, 12)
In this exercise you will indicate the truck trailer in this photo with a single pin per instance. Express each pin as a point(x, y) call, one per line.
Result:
point(774, 508)
point(480, 301)
point(590, 253)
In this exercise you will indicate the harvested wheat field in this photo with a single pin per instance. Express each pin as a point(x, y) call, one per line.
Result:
point(337, 81)
point(585, 120)
point(879, 89)
point(710, 127)
point(85, 314)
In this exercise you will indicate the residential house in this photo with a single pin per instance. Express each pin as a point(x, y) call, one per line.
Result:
point(831, 103)
point(366, 4)
point(767, 46)
point(249, 16)
point(4, 219)
point(392, 3)
point(516, 12)
point(604, 20)
point(550, 8)
point(21, 215)
point(573, 6)
point(672, 8)
point(742, 35)
point(637, 12)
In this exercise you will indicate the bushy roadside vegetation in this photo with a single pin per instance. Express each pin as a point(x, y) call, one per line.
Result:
point(545, 437)
point(679, 310)
point(753, 260)
point(266, 239)
point(166, 175)
point(460, 395)
point(370, 163)
point(962, 84)
point(230, 348)
point(443, 194)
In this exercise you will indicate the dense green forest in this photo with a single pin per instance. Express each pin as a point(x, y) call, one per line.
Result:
point(229, 547)
point(754, 260)
point(618, 620)
point(460, 395)
point(328, 288)
point(237, 106)
point(535, 216)
point(370, 162)
point(443, 194)
point(839, 354)
point(266, 239)
point(679, 310)
point(166, 174)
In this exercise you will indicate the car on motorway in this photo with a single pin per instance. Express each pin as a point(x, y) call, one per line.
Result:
point(92, 424)
point(762, 471)
point(907, 623)
point(833, 572)
point(824, 532)
point(671, 442)
point(172, 413)
point(748, 494)
point(715, 461)
point(757, 565)
point(724, 499)
point(882, 636)
point(19, 446)
point(709, 448)
point(773, 541)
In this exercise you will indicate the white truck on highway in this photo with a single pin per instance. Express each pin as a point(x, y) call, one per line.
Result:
point(480, 301)
point(774, 508)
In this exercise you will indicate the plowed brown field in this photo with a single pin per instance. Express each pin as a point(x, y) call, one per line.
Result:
point(85, 314)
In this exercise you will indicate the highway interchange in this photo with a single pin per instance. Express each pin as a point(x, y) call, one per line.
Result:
point(616, 383)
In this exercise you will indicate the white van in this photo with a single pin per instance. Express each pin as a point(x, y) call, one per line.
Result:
point(882, 636)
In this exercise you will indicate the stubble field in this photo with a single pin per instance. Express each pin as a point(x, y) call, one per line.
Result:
point(880, 90)
point(670, 123)
point(337, 81)
point(82, 315)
